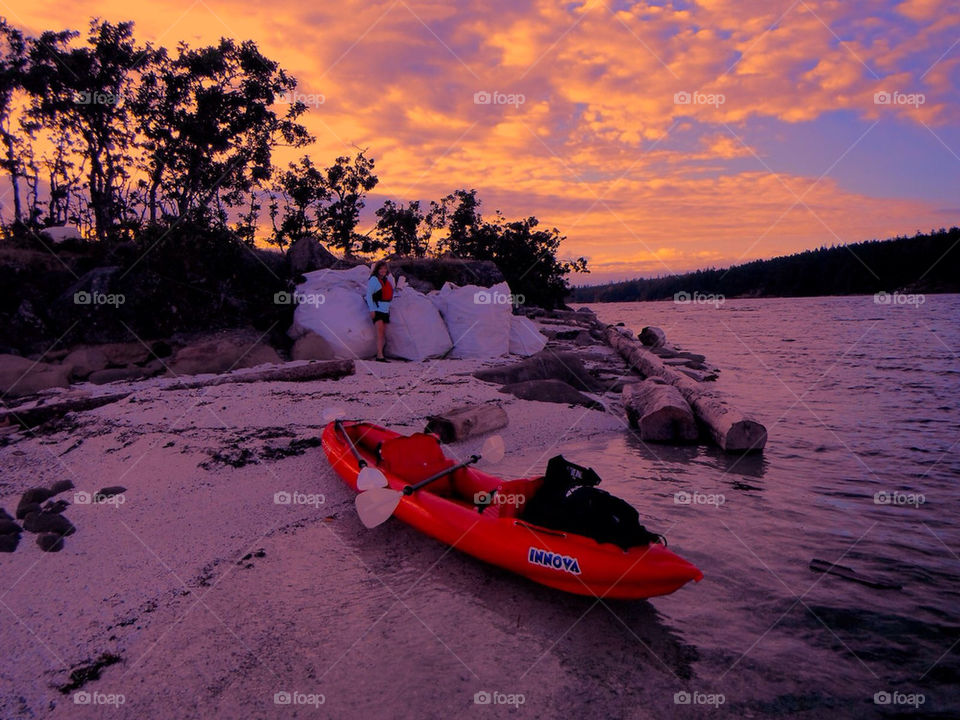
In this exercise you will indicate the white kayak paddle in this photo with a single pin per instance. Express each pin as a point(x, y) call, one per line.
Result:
point(377, 505)
point(368, 477)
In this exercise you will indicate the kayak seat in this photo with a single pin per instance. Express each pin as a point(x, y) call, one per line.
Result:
point(516, 494)
point(496, 497)
point(415, 458)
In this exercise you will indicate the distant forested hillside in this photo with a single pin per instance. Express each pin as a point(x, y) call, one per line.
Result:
point(923, 263)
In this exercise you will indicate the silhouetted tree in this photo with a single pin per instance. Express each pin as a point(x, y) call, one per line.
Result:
point(210, 126)
point(13, 65)
point(405, 227)
point(304, 193)
point(84, 92)
point(349, 180)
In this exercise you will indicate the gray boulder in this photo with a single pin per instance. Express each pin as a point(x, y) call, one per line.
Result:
point(20, 376)
point(553, 391)
point(307, 254)
point(653, 337)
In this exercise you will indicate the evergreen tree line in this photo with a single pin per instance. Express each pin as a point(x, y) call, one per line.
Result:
point(927, 262)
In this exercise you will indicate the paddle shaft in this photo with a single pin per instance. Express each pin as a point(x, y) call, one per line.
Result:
point(410, 489)
point(361, 463)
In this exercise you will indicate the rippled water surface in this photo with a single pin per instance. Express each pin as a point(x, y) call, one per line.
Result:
point(860, 401)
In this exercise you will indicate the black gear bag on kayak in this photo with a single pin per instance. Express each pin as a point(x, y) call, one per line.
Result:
point(569, 501)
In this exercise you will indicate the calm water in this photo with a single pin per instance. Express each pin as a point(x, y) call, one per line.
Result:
point(858, 399)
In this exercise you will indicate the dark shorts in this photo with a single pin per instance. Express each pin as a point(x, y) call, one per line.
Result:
point(381, 316)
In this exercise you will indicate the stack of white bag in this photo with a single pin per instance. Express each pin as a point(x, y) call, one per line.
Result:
point(415, 331)
point(466, 322)
point(331, 304)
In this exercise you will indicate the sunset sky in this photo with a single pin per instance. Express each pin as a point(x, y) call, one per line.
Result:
point(658, 137)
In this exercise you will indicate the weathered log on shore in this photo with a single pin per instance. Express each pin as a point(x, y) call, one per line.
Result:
point(321, 370)
point(38, 412)
point(729, 428)
point(461, 423)
point(659, 412)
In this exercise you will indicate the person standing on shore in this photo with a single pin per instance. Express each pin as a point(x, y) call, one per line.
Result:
point(379, 294)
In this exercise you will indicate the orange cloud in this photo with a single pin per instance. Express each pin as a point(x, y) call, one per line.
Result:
point(600, 144)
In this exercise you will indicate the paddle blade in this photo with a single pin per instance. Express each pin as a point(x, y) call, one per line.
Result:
point(493, 449)
point(370, 478)
point(376, 506)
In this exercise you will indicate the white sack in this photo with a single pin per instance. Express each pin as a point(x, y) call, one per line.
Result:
point(415, 331)
point(341, 318)
point(478, 319)
point(525, 339)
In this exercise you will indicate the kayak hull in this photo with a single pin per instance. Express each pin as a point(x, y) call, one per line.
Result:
point(565, 561)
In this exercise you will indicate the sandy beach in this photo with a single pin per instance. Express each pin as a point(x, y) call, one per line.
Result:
point(211, 594)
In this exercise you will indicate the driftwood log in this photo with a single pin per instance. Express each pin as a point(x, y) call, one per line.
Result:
point(289, 372)
point(39, 412)
point(659, 412)
point(729, 428)
point(461, 423)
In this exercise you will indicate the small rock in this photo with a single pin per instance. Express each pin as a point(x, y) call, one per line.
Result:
point(122, 354)
point(50, 542)
point(9, 527)
point(36, 495)
point(110, 491)
point(83, 361)
point(4, 515)
point(653, 337)
point(24, 509)
point(56, 506)
point(45, 522)
point(8, 543)
point(61, 486)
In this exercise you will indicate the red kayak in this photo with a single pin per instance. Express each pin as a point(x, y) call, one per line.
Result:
point(447, 511)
